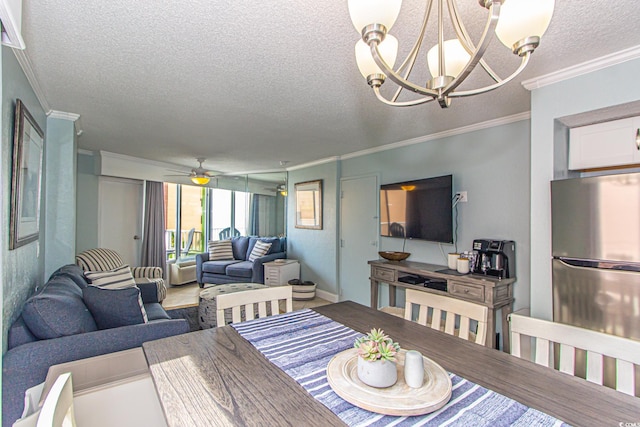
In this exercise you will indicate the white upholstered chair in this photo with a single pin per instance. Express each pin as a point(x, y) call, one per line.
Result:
point(458, 315)
point(597, 345)
point(245, 300)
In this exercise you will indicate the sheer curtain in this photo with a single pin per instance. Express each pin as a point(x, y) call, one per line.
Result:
point(153, 244)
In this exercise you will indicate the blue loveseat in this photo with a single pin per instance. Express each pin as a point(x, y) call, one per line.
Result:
point(55, 326)
point(239, 269)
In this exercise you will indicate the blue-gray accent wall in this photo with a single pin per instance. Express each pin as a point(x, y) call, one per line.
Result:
point(22, 267)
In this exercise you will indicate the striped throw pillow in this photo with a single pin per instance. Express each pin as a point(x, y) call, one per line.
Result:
point(259, 250)
point(118, 278)
point(220, 250)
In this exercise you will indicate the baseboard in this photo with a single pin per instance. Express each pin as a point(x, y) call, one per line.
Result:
point(328, 296)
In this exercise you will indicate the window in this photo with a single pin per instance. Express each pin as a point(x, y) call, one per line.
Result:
point(194, 214)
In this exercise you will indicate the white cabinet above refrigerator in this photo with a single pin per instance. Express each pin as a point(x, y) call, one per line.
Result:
point(609, 144)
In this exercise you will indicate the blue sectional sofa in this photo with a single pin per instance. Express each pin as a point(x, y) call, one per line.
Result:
point(55, 326)
point(239, 270)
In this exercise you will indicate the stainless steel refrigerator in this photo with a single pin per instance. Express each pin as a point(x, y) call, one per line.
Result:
point(596, 253)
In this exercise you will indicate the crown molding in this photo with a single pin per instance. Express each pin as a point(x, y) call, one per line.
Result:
point(85, 152)
point(314, 163)
point(63, 115)
point(583, 68)
point(452, 132)
point(27, 68)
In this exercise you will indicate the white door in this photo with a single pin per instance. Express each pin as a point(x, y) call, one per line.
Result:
point(359, 226)
point(120, 203)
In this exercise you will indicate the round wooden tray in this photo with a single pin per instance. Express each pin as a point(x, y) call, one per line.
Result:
point(399, 399)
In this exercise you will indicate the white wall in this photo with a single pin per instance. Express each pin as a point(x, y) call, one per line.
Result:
point(599, 89)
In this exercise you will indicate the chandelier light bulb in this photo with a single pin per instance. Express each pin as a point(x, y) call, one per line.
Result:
point(520, 19)
point(455, 58)
point(367, 66)
point(366, 12)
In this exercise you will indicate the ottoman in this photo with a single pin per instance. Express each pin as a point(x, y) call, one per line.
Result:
point(207, 305)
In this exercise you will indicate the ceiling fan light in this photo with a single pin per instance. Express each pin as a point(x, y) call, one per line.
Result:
point(200, 180)
point(455, 58)
point(366, 12)
point(520, 19)
point(367, 66)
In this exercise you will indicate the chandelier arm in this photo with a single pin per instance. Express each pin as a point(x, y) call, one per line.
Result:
point(395, 77)
point(492, 22)
point(393, 103)
point(410, 60)
point(465, 39)
point(523, 65)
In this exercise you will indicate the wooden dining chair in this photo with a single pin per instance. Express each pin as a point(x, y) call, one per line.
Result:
point(57, 409)
point(245, 300)
point(597, 345)
point(458, 315)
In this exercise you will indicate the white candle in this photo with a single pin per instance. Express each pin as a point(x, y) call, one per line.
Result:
point(413, 369)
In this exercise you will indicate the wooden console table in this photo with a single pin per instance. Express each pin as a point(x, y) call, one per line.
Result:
point(489, 291)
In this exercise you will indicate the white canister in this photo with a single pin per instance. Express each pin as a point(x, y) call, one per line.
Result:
point(413, 369)
point(452, 260)
point(462, 265)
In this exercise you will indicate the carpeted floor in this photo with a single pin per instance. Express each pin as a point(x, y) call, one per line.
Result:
point(188, 313)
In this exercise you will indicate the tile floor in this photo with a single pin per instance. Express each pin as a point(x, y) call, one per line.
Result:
point(181, 296)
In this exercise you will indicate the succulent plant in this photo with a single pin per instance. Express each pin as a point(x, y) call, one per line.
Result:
point(377, 346)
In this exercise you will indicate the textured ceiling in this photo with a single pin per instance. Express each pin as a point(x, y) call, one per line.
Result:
point(247, 84)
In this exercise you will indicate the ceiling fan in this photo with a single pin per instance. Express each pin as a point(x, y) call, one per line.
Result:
point(199, 175)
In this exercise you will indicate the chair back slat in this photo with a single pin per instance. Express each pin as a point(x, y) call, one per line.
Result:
point(247, 299)
point(456, 310)
point(596, 344)
point(595, 367)
point(567, 359)
point(625, 377)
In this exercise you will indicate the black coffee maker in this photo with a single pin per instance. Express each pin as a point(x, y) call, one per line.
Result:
point(495, 258)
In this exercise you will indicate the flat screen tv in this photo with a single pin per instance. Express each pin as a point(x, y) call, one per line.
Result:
point(419, 209)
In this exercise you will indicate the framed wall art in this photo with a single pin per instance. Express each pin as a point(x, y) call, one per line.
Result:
point(309, 205)
point(26, 179)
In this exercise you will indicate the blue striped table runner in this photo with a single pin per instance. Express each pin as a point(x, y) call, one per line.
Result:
point(303, 342)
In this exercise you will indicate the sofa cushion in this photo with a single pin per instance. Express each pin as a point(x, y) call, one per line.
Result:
point(112, 308)
point(241, 269)
point(259, 250)
point(73, 272)
point(117, 278)
point(275, 245)
point(155, 312)
point(58, 310)
point(217, 267)
point(240, 245)
point(220, 250)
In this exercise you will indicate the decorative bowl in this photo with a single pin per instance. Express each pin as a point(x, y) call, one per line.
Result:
point(394, 256)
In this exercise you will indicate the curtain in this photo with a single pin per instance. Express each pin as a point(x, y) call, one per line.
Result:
point(153, 244)
point(262, 219)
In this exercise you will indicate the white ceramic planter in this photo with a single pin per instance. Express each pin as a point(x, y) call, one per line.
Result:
point(379, 373)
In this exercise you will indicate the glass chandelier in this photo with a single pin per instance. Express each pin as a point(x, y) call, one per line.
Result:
point(519, 25)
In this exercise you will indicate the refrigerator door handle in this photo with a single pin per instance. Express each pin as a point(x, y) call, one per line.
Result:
point(638, 139)
point(599, 264)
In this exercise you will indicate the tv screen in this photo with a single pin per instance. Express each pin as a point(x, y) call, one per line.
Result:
point(419, 209)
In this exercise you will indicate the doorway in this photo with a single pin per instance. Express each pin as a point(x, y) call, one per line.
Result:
point(120, 217)
point(359, 225)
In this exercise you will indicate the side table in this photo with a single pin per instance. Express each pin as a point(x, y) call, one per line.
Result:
point(279, 272)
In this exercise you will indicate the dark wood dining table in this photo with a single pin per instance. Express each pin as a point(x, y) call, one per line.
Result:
point(215, 377)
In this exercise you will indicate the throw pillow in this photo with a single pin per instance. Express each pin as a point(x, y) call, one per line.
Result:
point(117, 278)
point(112, 308)
point(220, 250)
point(259, 250)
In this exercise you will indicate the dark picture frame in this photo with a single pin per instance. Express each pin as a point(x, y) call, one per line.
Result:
point(309, 205)
point(26, 178)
